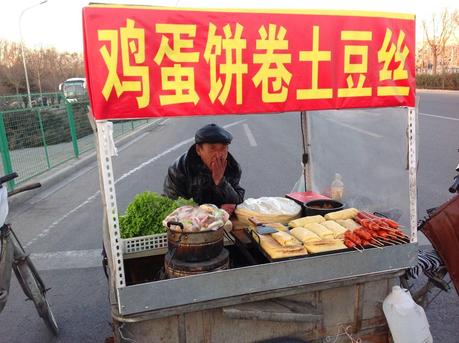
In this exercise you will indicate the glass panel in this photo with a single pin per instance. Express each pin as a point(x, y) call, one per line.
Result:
point(368, 148)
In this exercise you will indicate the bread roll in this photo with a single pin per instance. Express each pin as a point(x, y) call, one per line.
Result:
point(349, 224)
point(285, 239)
point(320, 230)
point(325, 245)
point(304, 235)
point(275, 251)
point(338, 230)
point(348, 213)
point(306, 220)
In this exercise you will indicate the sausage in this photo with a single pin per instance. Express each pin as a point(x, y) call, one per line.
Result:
point(373, 226)
point(382, 233)
point(392, 223)
point(361, 215)
point(352, 237)
point(349, 243)
point(363, 234)
point(365, 242)
point(366, 223)
point(372, 233)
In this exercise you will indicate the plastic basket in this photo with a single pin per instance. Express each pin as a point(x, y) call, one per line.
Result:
point(144, 243)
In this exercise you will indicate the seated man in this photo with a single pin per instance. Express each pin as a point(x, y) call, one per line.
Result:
point(208, 173)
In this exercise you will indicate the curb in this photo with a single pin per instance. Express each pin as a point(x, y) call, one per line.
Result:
point(445, 91)
point(57, 174)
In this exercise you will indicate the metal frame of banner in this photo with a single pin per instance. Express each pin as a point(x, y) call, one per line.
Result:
point(412, 166)
point(109, 198)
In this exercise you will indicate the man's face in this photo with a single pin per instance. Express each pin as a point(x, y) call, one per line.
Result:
point(211, 152)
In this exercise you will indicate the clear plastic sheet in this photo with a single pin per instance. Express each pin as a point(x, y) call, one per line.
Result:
point(369, 149)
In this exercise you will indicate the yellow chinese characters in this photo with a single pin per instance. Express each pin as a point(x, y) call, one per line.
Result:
point(178, 79)
point(279, 74)
point(355, 62)
point(232, 44)
point(132, 42)
point(315, 56)
point(386, 54)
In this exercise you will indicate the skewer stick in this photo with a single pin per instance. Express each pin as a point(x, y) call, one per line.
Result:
point(402, 236)
point(359, 250)
point(375, 240)
point(381, 241)
point(374, 245)
point(388, 240)
point(397, 239)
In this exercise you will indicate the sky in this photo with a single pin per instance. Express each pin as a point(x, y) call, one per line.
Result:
point(57, 23)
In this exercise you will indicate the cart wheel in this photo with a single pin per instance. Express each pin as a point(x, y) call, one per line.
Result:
point(32, 286)
point(47, 315)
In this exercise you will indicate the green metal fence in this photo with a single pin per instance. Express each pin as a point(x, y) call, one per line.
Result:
point(54, 131)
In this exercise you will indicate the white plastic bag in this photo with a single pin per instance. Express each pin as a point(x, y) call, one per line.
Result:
point(271, 205)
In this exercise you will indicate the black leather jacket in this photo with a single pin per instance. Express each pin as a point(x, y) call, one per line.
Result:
point(188, 177)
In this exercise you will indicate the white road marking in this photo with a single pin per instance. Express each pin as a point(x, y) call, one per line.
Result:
point(249, 134)
point(365, 132)
point(46, 231)
point(67, 259)
point(436, 116)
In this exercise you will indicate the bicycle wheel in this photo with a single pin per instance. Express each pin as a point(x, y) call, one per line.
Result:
point(33, 289)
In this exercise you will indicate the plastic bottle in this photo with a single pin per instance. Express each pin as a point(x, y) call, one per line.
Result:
point(337, 188)
point(407, 320)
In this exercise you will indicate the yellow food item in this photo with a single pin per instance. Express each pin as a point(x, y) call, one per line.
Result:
point(277, 226)
point(325, 245)
point(275, 250)
point(348, 224)
point(285, 239)
point(319, 230)
point(306, 220)
point(304, 235)
point(348, 213)
point(337, 229)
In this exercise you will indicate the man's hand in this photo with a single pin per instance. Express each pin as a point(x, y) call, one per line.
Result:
point(218, 167)
point(229, 208)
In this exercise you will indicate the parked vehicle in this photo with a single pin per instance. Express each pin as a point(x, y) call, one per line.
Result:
point(73, 88)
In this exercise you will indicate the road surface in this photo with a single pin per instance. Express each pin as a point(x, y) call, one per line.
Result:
point(60, 226)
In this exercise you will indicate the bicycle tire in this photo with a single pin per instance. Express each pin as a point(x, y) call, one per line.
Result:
point(33, 290)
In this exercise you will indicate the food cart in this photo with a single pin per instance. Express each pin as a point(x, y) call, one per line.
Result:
point(146, 62)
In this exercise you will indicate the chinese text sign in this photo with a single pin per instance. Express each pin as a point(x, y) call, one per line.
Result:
point(149, 62)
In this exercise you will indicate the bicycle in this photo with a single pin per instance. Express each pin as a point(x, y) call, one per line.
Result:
point(13, 257)
point(431, 265)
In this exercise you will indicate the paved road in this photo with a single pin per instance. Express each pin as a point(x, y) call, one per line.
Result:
point(61, 224)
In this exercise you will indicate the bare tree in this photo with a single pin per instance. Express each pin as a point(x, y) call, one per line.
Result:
point(12, 68)
point(47, 68)
point(438, 33)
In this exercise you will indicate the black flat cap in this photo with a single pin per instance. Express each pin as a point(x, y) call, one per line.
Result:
point(212, 133)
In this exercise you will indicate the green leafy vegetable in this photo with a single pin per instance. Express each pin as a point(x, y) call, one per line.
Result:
point(144, 215)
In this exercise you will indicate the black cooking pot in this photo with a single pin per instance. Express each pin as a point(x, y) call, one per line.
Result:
point(322, 207)
point(194, 246)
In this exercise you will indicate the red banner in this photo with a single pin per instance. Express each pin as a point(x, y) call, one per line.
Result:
point(149, 62)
